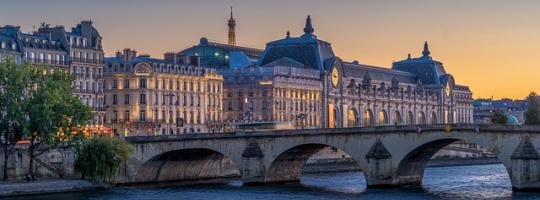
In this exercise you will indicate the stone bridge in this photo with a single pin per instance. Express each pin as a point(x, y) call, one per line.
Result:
point(389, 156)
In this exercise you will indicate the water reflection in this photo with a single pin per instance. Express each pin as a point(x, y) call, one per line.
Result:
point(468, 182)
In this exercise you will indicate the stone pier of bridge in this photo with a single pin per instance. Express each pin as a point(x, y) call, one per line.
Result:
point(389, 156)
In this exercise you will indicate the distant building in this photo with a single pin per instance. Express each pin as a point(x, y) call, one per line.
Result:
point(148, 96)
point(232, 31)
point(513, 109)
point(78, 51)
point(222, 56)
point(300, 81)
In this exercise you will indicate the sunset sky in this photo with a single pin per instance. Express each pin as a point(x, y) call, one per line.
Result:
point(491, 45)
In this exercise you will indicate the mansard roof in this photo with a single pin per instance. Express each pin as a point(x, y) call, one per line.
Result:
point(353, 70)
point(40, 42)
point(285, 61)
point(306, 49)
point(427, 70)
point(8, 41)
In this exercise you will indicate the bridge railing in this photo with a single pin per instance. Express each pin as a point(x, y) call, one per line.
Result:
point(385, 129)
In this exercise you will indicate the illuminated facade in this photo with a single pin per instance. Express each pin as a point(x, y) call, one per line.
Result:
point(272, 93)
point(299, 79)
point(147, 96)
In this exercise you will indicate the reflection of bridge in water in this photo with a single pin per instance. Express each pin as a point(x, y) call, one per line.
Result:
point(389, 155)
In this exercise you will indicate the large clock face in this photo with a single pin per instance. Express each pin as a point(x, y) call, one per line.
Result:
point(335, 77)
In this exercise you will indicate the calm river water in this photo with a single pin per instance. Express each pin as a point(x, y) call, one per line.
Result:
point(463, 182)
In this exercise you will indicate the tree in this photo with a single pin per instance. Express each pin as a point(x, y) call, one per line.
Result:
point(99, 158)
point(12, 122)
point(532, 114)
point(499, 118)
point(52, 110)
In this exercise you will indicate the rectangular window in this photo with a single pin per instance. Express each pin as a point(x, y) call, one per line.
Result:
point(115, 84)
point(142, 99)
point(126, 115)
point(126, 84)
point(142, 116)
point(142, 83)
point(126, 99)
point(163, 116)
point(115, 116)
point(114, 99)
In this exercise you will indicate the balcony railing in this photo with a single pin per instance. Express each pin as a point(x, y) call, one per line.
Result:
point(86, 60)
point(46, 62)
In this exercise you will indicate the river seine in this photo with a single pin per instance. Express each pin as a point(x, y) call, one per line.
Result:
point(462, 182)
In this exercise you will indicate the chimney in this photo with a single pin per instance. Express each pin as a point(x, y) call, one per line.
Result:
point(129, 54)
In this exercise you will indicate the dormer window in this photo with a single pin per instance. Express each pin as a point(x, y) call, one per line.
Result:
point(13, 46)
point(3, 45)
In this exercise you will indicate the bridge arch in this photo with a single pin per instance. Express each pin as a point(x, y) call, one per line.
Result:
point(288, 165)
point(186, 165)
point(410, 170)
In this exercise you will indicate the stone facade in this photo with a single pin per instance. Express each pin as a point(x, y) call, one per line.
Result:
point(389, 156)
point(54, 163)
point(78, 51)
point(300, 81)
point(272, 93)
point(147, 96)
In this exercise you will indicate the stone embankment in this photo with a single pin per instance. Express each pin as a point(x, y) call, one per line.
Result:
point(49, 186)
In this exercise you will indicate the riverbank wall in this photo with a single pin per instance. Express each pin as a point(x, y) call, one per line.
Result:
point(54, 163)
point(45, 186)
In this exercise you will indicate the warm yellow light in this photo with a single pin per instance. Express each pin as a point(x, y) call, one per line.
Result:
point(265, 82)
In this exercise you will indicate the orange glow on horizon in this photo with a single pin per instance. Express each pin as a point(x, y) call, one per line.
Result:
point(492, 46)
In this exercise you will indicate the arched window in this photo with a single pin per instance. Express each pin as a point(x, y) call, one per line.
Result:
point(352, 118)
point(410, 118)
point(368, 118)
point(433, 118)
point(421, 118)
point(383, 117)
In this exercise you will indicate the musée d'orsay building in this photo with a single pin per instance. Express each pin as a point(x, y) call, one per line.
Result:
point(300, 79)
